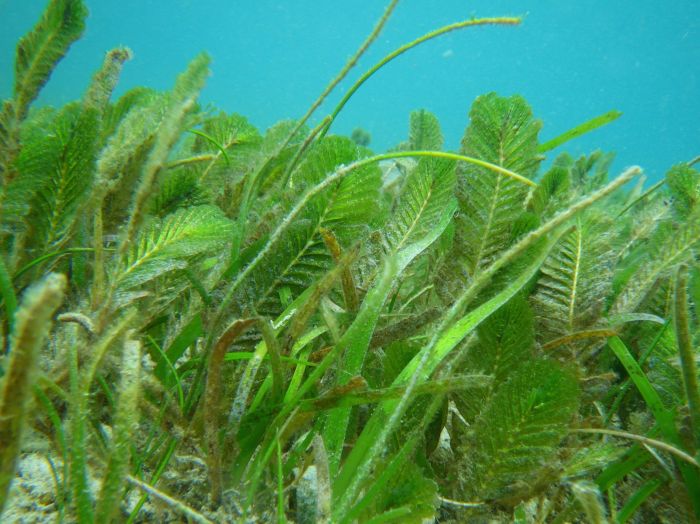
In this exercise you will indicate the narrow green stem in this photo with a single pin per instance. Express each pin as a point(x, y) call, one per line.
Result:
point(406, 47)
point(346, 69)
point(679, 453)
point(273, 351)
point(98, 279)
point(687, 354)
point(47, 256)
point(191, 160)
point(253, 178)
point(307, 142)
point(8, 295)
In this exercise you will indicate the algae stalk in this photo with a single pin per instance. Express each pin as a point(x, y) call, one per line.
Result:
point(32, 323)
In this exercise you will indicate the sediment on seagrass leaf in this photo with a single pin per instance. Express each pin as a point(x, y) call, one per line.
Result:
point(125, 424)
point(130, 126)
point(687, 353)
point(106, 78)
point(32, 324)
point(590, 499)
point(211, 404)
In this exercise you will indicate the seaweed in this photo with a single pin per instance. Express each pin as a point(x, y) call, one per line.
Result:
point(287, 326)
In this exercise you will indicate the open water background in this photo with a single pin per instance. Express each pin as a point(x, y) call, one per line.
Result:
point(572, 60)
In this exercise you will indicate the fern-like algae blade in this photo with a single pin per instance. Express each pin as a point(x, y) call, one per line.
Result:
point(424, 131)
point(56, 164)
point(430, 357)
point(426, 205)
point(168, 245)
point(518, 431)
point(503, 132)
point(345, 208)
point(554, 188)
point(38, 52)
point(505, 342)
point(450, 332)
point(181, 101)
point(355, 466)
point(575, 279)
point(62, 163)
point(668, 247)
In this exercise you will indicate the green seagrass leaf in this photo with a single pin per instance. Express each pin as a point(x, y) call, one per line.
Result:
point(516, 436)
point(581, 129)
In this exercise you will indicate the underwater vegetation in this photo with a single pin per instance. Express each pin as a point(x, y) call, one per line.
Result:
point(202, 322)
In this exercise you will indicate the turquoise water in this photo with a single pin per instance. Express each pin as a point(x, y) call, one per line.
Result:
point(571, 60)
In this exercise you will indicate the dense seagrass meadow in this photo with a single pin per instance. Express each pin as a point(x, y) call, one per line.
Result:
point(203, 322)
